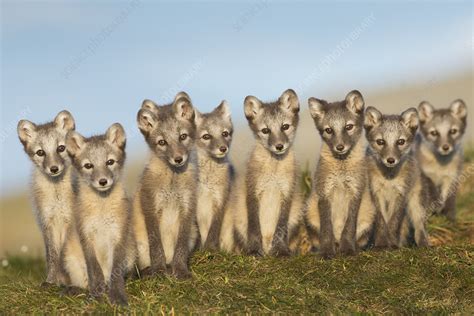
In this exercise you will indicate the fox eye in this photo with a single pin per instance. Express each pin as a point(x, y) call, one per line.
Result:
point(206, 136)
point(40, 153)
point(183, 136)
point(88, 165)
point(162, 142)
point(380, 142)
point(401, 142)
point(434, 133)
point(225, 133)
point(453, 131)
point(61, 148)
point(329, 130)
point(265, 130)
point(285, 127)
point(349, 127)
point(110, 162)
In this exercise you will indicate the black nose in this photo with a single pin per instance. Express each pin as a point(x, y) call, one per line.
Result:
point(279, 147)
point(103, 182)
point(223, 149)
point(340, 147)
point(445, 147)
point(391, 160)
point(54, 169)
point(178, 159)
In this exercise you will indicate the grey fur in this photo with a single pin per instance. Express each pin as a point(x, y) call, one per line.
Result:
point(271, 172)
point(168, 184)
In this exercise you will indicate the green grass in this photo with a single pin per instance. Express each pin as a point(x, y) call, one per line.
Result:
point(439, 279)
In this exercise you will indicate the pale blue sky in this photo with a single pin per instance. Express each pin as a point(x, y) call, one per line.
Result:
point(100, 59)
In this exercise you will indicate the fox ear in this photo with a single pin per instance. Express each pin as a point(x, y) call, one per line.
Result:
point(410, 119)
point(316, 108)
point(372, 118)
point(64, 121)
point(252, 107)
point(182, 95)
point(75, 143)
point(289, 101)
point(116, 135)
point(26, 131)
point(183, 108)
point(224, 110)
point(355, 102)
point(459, 109)
point(150, 106)
point(146, 121)
point(425, 111)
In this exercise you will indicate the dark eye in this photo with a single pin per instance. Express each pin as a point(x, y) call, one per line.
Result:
point(380, 142)
point(88, 166)
point(329, 130)
point(265, 130)
point(434, 133)
point(400, 142)
point(162, 142)
point(110, 162)
point(225, 134)
point(285, 127)
point(453, 131)
point(206, 136)
point(61, 148)
point(40, 153)
point(349, 127)
point(183, 136)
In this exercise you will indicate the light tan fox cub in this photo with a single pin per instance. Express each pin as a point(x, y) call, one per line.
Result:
point(271, 183)
point(53, 195)
point(339, 215)
point(165, 202)
point(216, 173)
point(395, 180)
point(102, 211)
point(440, 153)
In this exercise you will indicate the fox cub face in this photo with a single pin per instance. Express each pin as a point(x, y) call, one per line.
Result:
point(46, 144)
point(443, 129)
point(391, 136)
point(99, 160)
point(214, 131)
point(340, 124)
point(274, 124)
point(169, 130)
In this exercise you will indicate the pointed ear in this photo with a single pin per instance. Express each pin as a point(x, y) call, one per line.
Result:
point(289, 101)
point(355, 102)
point(183, 109)
point(316, 108)
point(224, 110)
point(410, 119)
point(252, 107)
point(150, 106)
point(26, 131)
point(459, 109)
point(197, 117)
point(372, 118)
point(182, 95)
point(75, 143)
point(64, 121)
point(425, 111)
point(116, 136)
point(146, 121)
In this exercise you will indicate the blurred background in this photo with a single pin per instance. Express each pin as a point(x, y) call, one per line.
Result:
point(100, 59)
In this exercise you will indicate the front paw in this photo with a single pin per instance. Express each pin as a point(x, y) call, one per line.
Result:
point(97, 291)
point(281, 250)
point(348, 248)
point(182, 272)
point(423, 241)
point(118, 297)
point(72, 291)
point(47, 284)
point(328, 251)
point(149, 272)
